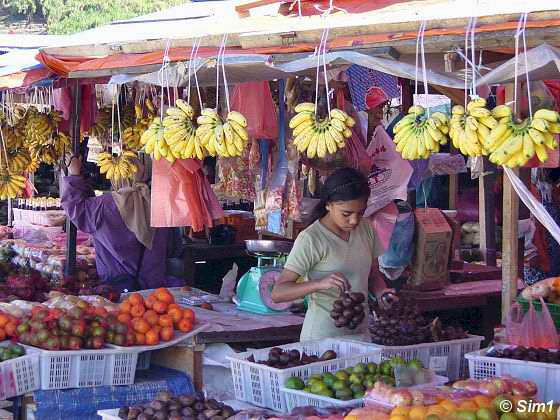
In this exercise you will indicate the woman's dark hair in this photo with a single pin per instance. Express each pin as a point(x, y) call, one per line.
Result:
point(342, 185)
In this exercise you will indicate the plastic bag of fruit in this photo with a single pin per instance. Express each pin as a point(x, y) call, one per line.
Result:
point(534, 329)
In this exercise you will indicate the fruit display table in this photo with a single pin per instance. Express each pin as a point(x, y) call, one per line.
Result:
point(228, 325)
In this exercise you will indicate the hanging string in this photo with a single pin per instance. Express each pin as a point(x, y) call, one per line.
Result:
point(324, 54)
point(162, 75)
point(189, 72)
point(195, 73)
point(112, 123)
point(515, 75)
point(527, 66)
point(467, 34)
point(473, 58)
point(318, 53)
point(424, 71)
point(119, 118)
point(218, 71)
point(226, 89)
point(416, 63)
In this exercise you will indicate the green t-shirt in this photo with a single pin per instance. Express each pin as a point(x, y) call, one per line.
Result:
point(318, 252)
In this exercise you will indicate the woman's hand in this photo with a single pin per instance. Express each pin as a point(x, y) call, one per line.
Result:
point(386, 298)
point(335, 280)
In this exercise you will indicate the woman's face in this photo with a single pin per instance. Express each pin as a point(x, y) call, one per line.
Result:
point(346, 215)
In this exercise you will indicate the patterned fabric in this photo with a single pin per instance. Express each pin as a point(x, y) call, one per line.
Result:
point(362, 78)
point(552, 245)
point(532, 275)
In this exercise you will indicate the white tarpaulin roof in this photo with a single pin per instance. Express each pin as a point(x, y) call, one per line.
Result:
point(183, 24)
point(543, 64)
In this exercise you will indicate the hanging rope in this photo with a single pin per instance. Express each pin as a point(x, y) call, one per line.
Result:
point(226, 88)
point(473, 58)
point(424, 70)
point(520, 30)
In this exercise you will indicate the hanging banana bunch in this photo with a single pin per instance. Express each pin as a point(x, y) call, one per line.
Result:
point(118, 168)
point(317, 138)
point(11, 186)
point(225, 139)
point(18, 160)
point(102, 125)
point(514, 143)
point(154, 142)
point(470, 128)
point(180, 132)
point(418, 136)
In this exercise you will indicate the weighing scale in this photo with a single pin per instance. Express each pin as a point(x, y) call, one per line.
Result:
point(255, 286)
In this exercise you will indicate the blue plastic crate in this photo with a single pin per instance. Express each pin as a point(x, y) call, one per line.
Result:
point(83, 403)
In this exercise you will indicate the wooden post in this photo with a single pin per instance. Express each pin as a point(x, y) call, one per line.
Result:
point(71, 231)
point(510, 249)
point(486, 206)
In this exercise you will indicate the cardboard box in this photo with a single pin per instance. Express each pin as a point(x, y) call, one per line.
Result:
point(430, 267)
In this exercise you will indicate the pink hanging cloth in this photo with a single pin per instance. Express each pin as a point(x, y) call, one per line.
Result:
point(182, 196)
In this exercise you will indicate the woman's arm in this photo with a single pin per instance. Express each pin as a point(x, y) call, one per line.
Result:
point(377, 284)
point(287, 290)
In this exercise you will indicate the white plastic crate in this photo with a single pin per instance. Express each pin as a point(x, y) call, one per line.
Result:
point(545, 375)
point(296, 398)
point(86, 368)
point(20, 375)
point(446, 358)
point(260, 385)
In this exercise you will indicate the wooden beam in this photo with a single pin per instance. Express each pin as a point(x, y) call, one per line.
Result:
point(243, 9)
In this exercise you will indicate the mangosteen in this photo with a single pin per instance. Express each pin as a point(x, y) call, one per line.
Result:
point(186, 400)
point(187, 411)
point(348, 314)
point(174, 406)
point(294, 355)
point(335, 314)
point(134, 412)
point(328, 355)
point(123, 413)
point(144, 416)
point(357, 297)
point(199, 407)
point(347, 302)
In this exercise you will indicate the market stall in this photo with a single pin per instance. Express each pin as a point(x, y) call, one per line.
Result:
point(246, 102)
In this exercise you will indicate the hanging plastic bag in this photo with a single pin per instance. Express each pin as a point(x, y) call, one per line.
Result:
point(389, 173)
point(254, 101)
point(547, 336)
point(513, 324)
point(189, 198)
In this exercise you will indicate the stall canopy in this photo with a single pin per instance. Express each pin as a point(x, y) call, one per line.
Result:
point(19, 66)
point(394, 25)
point(543, 63)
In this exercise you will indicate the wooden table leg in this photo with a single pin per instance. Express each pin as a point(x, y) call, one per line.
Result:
point(194, 364)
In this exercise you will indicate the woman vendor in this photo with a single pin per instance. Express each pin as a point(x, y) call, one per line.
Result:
point(334, 255)
point(129, 253)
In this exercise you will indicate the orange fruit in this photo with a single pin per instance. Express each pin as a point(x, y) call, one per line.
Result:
point(176, 314)
point(173, 306)
point(140, 339)
point(163, 295)
point(149, 302)
point(156, 328)
point(152, 338)
point(400, 411)
point(140, 325)
point(418, 413)
point(449, 406)
point(10, 328)
point(166, 321)
point(137, 311)
point(166, 333)
point(468, 406)
point(4, 319)
point(124, 317)
point(136, 299)
point(207, 306)
point(189, 314)
point(482, 401)
point(185, 325)
point(2, 334)
point(125, 306)
point(151, 316)
point(160, 307)
point(438, 410)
